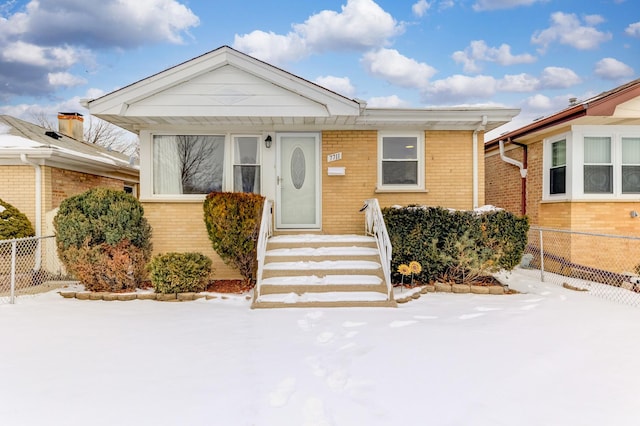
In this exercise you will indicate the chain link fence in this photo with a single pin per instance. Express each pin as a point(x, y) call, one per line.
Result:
point(607, 266)
point(26, 265)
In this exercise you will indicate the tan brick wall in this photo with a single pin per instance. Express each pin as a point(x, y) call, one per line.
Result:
point(180, 227)
point(503, 182)
point(66, 183)
point(17, 187)
point(448, 176)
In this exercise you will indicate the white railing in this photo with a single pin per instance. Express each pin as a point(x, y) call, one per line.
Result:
point(266, 230)
point(374, 226)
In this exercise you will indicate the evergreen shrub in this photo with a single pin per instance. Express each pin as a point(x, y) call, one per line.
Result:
point(180, 272)
point(104, 239)
point(233, 224)
point(13, 223)
point(458, 246)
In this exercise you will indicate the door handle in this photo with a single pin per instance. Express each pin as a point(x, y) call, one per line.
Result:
point(278, 180)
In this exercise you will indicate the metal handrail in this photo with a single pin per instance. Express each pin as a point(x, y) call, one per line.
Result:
point(375, 226)
point(266, 231)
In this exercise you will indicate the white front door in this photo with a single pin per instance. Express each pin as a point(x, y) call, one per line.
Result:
point(298, 181)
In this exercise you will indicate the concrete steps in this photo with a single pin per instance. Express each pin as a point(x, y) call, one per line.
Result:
point(322, 271)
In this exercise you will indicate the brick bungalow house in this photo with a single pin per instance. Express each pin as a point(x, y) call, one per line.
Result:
point(225, 121)
point(39, 168)
point(577, 170)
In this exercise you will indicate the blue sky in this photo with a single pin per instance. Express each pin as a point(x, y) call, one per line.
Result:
point(529, 54)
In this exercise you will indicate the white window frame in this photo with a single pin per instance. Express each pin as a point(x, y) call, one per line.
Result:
point(575, 162)
point(147, 166)
point(420, 186)
point(547, 161)
point(236, 162)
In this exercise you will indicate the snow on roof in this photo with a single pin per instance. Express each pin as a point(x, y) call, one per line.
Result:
point(4, 129)
point(12, 141)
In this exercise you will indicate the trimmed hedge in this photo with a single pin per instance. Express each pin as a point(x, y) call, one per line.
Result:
point(233, 224)
point(457, 246)
point(14, 223)
point(102, 234)
point(180, 272)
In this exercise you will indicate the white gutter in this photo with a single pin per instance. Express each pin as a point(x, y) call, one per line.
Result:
point(476, 180)
point(518, 164)
point(38, 172)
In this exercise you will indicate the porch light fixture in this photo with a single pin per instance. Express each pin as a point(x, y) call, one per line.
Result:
point(633, 213)
point(267, 141)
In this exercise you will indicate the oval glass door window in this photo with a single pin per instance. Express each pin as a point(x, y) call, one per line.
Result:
point(298, 167)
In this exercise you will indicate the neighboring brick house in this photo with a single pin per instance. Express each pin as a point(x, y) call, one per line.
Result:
point(582, 169)
point(39, 167)
point(317, 154)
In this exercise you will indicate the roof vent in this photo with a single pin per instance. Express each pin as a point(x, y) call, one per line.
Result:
point(53, 134)
point(573, 101)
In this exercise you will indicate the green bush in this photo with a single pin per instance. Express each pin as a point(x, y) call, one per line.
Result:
point(233, 223)
point(13, 223)
point(98, 230)
point(180, 272)
point(458, 246)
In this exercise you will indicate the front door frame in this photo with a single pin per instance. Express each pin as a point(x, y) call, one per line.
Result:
point(317, 175)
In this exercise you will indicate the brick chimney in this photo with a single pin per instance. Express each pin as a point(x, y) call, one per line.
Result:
point(71, 124)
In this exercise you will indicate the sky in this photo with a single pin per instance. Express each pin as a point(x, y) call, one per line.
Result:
point(529, 54)
point(545, 356)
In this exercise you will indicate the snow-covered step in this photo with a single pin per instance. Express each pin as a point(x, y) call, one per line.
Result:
point(327, 280)
point(327, 299)
point(321, 268)
point(316, 240)
point(326, 253)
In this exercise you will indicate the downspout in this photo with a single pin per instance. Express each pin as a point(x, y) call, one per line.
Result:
point(476, 180)
point(38, 173)
point(523, 172)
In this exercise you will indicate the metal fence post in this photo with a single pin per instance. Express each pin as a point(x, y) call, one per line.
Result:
point(541, 257)
point(14, 245)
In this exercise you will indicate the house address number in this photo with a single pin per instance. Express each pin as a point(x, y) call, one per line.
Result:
point(334, 157)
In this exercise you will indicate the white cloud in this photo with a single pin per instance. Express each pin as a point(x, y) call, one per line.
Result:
point(271, 47)
point(479, 51)
point(65, 79)
point(481, 5)
point(397, 69)
point(392, 101)
point(567, 29)
point(539, 102)
point(633, 30)
point(460, 87)
point(518, 83)
point(558, 78)
point(361, 25)
point(612, 69)
point(341, 85)
point(48, 37)
point(420, 8)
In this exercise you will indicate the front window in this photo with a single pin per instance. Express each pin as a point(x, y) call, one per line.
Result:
point(188, 164)
point(558, 171)
point(598, 168)
point(400, 165)
point(246, 167)
point(630, 165)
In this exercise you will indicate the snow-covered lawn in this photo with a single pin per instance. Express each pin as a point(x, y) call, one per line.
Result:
point(548, 356)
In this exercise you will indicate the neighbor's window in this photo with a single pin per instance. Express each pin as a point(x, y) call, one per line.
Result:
point(246, 165)
point(187, 164)
point(400, 162)
point(598, 168)
point(630, 165)
point(558, 171)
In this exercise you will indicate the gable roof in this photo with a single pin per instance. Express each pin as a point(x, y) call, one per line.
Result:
point(620, 105)
point(47, 147)
point(226, 88)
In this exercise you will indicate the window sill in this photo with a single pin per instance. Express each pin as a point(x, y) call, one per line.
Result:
point(400, 190)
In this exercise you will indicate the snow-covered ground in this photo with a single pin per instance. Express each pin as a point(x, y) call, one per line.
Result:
point(547, 356)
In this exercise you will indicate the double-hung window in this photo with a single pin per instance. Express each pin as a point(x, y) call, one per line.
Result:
point(558, 170)
point(188, 164)
point(401, 164)
point(598, 167)
point(630, 165)
point(246, 164)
